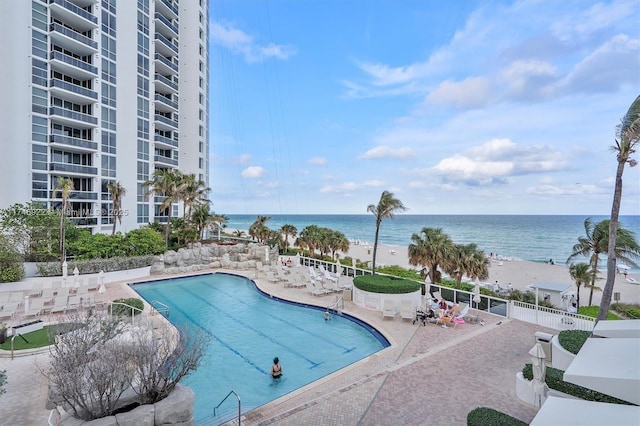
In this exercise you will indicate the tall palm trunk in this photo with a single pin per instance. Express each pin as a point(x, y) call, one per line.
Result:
point(605, 302)
point(375, 250)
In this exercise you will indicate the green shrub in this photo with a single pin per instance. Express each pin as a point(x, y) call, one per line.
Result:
point(398, 271)
point(94, 266)
point(572, 340)
point(122, 310)
point(554, 379)
point(11, 268)
point(629, 310)
point(484, 416)
point(592, 311)
point(385, 284)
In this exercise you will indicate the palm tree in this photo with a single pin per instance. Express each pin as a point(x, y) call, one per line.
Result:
point(466, 259)
point(165, 183)
point(309, 238)
point(116, 192)
point(287, 231)
point(430, 250)
point(337, 242)
point(192, 191)
point(582, 275)
point(258, 230)
point(64, 186)
point(597, 241)
point(201, 218)
point(627, 137)
point(386, 208)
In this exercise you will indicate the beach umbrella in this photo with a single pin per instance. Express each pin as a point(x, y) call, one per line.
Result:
point(76, 279)
point(64, 272)
point(102, 289)
point(476, 293)
point(540, 388)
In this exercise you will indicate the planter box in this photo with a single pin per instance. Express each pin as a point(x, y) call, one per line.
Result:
point(27, 327)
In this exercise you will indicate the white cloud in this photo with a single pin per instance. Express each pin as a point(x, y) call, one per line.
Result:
point(252, 172)
point(374, 183)
point(227, 35)
point(242, 159)
point(317, 161)
point(472, 92)
point(528, 79)
point(416, 184)
point(584, 22)
point(497, 160)
point(564, 190)
point(343, 188)
point(389, 152)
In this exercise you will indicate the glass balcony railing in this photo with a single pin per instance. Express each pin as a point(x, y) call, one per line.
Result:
point(75, 9)
point(167, 62)
point(84, 221)
point(165, 160)
point(73, 115)
point(165, 120)
point(166, 42)
point(166, 81)
point(167, 22)
point(166, 101)
point(165, 140)
point(170, 6)
point(73, 34)
point(73, 62)
point(76, 195)
point(80, 143)
point(73, 168)
point(73, 88)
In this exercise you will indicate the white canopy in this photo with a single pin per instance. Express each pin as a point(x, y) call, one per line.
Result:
point(565, 411)
point(620, 329)
point(609, 366)
point(548, 286)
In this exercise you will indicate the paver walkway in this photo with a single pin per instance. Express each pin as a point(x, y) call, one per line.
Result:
point(429, 375)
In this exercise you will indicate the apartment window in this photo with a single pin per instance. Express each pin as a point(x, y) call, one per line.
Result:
point(200, 163)
point(143, 128)
point(39, 127)
point(108, 47)
point(200, 131)
point(201, 83)
point(200, 147)
point(143, 65)
point(144, 6)
point(108, 142)
point(108, 166)
point(143, 86)
point(39, 185)
point(201, 34)
point(143, 23)
point(109, 95)
point(143, 44)
point(39, 157)
point(108, 71)
point(109, 5)
point(39, 44)
point(39, 100)
point(201, 66)
point(108, 23)
point(39, 72)
point(143, 213)
point(143, 107)
point(143, 150)
point(108, 118)
point(143, 171)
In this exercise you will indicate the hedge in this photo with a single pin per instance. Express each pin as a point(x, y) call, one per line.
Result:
point(484, 416)
point(385, 284)
point(93, 266)
point(592, 311)
point(555, 380)
point(122, 310)
point(572, 340)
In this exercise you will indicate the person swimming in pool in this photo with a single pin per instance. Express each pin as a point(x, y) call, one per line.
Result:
point(276, 369)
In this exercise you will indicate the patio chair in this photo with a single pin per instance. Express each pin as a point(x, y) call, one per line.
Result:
point(389, 309)
point(59, 304)
point(315, 290)
point(8, 310)
point(36, 306)
point(407, 310)
point(93, 284)
point(36, 289)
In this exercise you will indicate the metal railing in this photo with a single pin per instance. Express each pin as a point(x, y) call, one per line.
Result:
point(224, 399)
point(162, 309)
point(73, 35)
point(73, 61)
point(336, 304)
point(75, 9)
point(83, 91)
point(134, 312)
point(549, 317)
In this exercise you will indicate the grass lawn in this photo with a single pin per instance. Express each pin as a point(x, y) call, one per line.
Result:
point(36, 339)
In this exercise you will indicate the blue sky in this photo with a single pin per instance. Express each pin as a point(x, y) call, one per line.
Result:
point(457, 107)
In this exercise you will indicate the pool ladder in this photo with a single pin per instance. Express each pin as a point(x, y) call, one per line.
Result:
point(336, 304)
point(159, 307)
point(224, 399)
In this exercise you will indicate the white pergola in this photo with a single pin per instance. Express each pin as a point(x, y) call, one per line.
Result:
point(565, 411)
point(618, 329)
point(610, 366)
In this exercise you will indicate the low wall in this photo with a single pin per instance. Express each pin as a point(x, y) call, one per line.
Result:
point(240, 256)
point(562, 358)
point(376, 301)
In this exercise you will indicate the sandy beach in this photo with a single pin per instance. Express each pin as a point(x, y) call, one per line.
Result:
point(519, 273)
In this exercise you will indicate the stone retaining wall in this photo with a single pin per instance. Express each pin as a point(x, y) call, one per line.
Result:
point(240, 256)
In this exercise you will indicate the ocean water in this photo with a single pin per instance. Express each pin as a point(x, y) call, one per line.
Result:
point(535, 238)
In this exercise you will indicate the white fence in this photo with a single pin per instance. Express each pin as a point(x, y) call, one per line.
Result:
point(551, 318)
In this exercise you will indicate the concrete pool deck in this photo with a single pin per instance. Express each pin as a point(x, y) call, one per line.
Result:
point(429, 375)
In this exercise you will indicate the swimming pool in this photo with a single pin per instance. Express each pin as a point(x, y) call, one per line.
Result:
point(250, 328)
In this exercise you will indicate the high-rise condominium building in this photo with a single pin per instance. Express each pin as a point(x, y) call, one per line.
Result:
point(101, 91)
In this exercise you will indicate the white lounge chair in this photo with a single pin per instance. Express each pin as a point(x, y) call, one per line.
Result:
point(407, 310)
point(59, 304)
point(35, 308)
point(36, 289)
point(8, 310)
point(389, 309)
point(315, 290)
point(93, 284)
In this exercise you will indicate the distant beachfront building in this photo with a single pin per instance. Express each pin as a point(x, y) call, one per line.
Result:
point(100, 91)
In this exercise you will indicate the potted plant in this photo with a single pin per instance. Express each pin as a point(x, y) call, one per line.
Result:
point(3, 332)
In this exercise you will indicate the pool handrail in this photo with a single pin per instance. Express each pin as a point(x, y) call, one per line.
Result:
point(224, 399)
point(163, 308)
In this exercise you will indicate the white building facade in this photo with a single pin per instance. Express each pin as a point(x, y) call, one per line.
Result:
point(101, 91)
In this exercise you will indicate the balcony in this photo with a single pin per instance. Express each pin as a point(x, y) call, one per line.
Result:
point(165, 141)
point(71, 66)
point(165, 85)
point(165, 104)
point(66, 141)
point(165, 26)
point(165, 46)
point(73, 168)
point(77, 94)
point(73, 118)
point(85, 221)
point(164, 123)
point(159, 199)
point(75, 195)
point(72, 14)
point(167, 8)
point(165, 160)
point(72, 40)
point(164, 65)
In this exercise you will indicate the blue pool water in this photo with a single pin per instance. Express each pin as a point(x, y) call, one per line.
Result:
point(248, 330)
